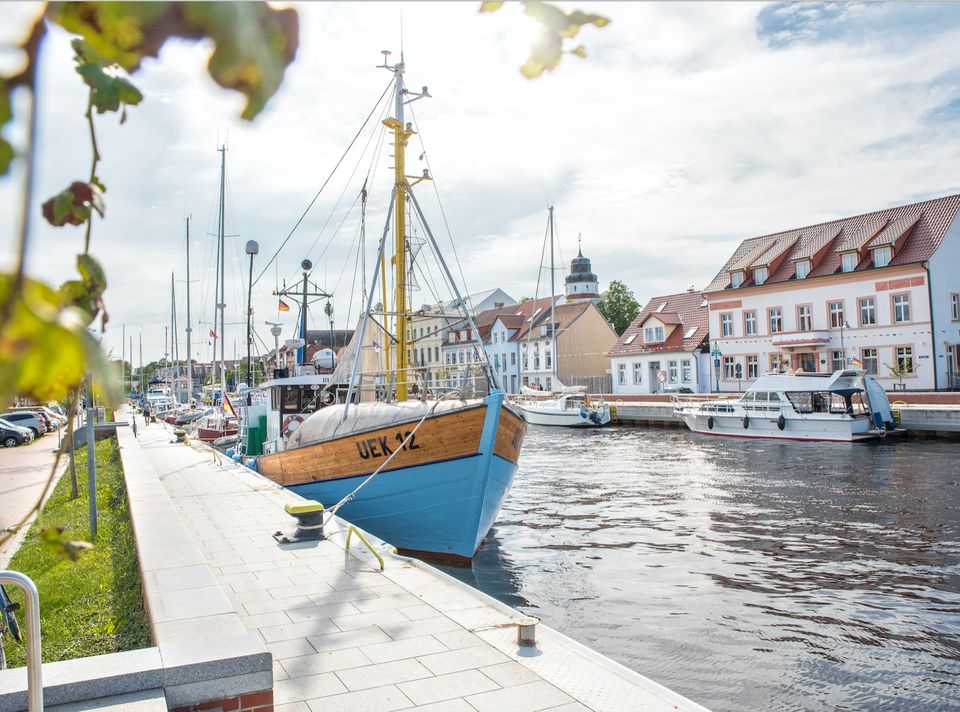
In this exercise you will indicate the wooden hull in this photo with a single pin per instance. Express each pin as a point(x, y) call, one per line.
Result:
point(440, 494)
point(208, 435)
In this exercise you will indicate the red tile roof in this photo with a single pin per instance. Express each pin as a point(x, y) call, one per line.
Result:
point(682, 309)
point(854, 233)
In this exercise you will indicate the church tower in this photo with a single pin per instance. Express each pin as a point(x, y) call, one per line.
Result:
point(582, 283)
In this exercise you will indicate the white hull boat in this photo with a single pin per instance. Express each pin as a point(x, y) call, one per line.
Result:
point(845, 406)
point(569, 411)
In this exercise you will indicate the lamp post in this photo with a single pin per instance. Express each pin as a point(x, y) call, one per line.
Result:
point(252, 249)
point(328, 310)
point(843, 350)
point(716, 354)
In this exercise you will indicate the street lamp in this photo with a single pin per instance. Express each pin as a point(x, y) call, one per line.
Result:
point(843, 325)
point(252, 249)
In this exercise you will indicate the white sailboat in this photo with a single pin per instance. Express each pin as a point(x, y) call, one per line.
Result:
point(567, 406)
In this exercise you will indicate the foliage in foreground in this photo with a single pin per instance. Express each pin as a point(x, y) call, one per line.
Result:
point(91, 606)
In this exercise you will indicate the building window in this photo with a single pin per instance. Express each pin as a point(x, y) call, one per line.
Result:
point(653, 334)
point(729, 368)
point(905, 359)
point(775, 317)
point(869, 361)
point(868, 311)
point(621, 374)
point(496, 361)
point(848, 261)
point(460, 357)
point(882, 256)
point(807, 361)
point(753, 366)
point(836, 314)
point(736, 279)
point(805, 317)
point(750, 323)
point(777, 362)
point(513, 358)
point(901, 308)
point(548, 358)
point(726, 324)
point(673, 371)
point(760, 275)
point(955, 307)
point(687, 371)
point(837, 361)
point(803, 269)
point(436, 354)
point(638, 373)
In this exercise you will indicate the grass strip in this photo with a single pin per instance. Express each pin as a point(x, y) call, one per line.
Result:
point(94, 605)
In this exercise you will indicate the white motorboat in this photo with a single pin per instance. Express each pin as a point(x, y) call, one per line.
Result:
point(571, 410)
point(844, 406)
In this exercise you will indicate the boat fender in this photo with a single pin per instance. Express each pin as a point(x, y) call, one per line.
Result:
point(236, 457)
point(290, 420)
point(251, 464)
point(229, 452)
point(595, 417)
point(710, 422)
point(746, 422)
point(781, 422)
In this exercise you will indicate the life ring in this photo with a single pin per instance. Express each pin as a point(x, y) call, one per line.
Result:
point(746, 422)
point(781, 422)
point(710, 422)
point(285, 430)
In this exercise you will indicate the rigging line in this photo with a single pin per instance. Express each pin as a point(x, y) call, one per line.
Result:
point(354, 245)
point(333, 235)
point(329, 177)
point(443, 213)
point(340, 197)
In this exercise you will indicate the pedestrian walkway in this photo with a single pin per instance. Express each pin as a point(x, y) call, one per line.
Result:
point(346, 636)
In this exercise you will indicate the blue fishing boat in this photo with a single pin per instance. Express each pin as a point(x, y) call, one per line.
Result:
point(423, 464)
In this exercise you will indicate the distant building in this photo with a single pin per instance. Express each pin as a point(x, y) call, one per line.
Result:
point(665, 346)
point(582, 283)
point(881, 290)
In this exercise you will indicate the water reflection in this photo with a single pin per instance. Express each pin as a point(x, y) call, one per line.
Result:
point(742, 573)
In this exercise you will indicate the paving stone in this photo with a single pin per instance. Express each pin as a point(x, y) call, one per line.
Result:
point(225, 625)
point(419, 612)
point(263, 620)
point(258, 584)
point(571, 707)
point(444, 687)
point(181, 577)
point(290, 648)
point(509, 674)
point(465, 659)
point(406, 648)
point(456, 639)
point(456, 705)
point(393, 602)
point(364, 620)
point(426, 626)
point(521, 698)
point(378, 699)
point(316, 663)
point(306, 688)
point(349, 639)
point(278, 672)
point(313, 611)
point(383, 674)
point(273, 604)
point(303, 589)
point(353, 594)
point(190, 603)
point(302, 629)
point(300, 706)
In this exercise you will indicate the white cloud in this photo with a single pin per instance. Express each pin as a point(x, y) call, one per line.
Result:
point(679, 135)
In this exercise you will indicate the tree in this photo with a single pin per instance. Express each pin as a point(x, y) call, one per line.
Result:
point(619, 306)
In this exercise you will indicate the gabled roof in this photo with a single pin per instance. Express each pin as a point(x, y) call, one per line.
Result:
point(917, 241)
point(689, 314)
point(564, 314)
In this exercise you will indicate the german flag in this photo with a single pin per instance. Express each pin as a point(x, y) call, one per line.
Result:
point(282, 306)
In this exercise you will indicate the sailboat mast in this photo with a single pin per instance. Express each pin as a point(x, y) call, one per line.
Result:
point(553, 319)
point(221, 249)
point(173, 336)
point(189, 361)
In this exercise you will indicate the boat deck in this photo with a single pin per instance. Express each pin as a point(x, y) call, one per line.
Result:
point(346, 636)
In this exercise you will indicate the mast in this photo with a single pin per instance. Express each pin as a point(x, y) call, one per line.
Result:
point(221, 251)
point(131, 363)
point(188, 330)
point(173, 337)
point(553, 320)
point(123, 357)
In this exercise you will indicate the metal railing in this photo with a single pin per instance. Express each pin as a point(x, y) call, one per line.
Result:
point(353, 530)
point(32, 618)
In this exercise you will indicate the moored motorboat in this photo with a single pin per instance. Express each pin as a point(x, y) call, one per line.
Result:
point(844, 406)
point(569, 410)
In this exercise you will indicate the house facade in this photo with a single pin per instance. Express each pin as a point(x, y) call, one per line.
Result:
point(667, 345)
point(880, 291)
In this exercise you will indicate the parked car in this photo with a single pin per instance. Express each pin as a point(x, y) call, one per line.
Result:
point(12, 435)
point(675, 389)
point(52, 423)
point(55, 418)
point(27, 419)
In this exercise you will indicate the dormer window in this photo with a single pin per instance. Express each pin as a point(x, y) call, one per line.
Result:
point(736, 279)
point(803, 269)
point(882, 256)
point(760, 275)
point(848, 261)
point(653, 334)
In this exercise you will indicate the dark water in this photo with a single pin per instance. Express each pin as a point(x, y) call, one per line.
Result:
point(743, 574)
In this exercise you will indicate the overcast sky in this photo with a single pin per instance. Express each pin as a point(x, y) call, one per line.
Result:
point(686, 129)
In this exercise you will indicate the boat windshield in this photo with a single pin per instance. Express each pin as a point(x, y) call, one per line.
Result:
point(820, 402)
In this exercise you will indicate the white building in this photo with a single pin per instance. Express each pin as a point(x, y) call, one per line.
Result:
point(881, 290)
point(665, 346)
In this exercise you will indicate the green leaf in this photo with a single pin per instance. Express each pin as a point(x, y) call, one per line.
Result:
point(45, 346)
point(108, 92)
point(72, 206)
point(253, 42)
point(87, 293)
point(490, 6)
point(6, 150)
point(67, 548)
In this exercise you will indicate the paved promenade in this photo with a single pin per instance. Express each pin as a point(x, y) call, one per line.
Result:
point(346, 636)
